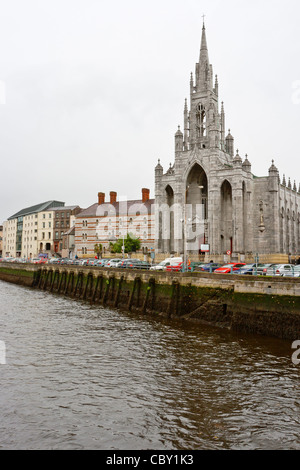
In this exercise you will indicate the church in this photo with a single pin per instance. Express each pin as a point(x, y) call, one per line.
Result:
point(208, 204)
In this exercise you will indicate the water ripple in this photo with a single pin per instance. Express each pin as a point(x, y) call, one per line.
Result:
point(84, 377)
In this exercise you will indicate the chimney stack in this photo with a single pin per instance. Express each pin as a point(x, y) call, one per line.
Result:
point(145, 194)
point(101, 198)
point(113, 197)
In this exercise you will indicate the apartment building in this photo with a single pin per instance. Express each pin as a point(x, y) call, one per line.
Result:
point(106, 222)
point(29, 232)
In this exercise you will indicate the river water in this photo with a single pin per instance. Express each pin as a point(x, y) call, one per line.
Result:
point(83, 377)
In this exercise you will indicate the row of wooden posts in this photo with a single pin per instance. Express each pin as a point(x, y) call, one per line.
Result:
point(106, 290)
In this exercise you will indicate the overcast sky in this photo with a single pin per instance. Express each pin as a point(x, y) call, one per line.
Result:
point(92, 91)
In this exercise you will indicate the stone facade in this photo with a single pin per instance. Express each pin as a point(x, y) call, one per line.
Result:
point(106, 222)
point(209, 198)
point(63, 218)
point(37, 230)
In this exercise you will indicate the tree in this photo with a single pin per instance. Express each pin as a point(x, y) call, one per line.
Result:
point(98, 249)
point(131, 245)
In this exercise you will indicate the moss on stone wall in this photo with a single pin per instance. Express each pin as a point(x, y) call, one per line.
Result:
point(170, 296)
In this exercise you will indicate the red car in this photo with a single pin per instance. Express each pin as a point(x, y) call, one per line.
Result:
point(228, 268)
point(178, 267)
point(39, 261)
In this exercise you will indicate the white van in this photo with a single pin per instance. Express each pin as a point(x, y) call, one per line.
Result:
point(167, 262)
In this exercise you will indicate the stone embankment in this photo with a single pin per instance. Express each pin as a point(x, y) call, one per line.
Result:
point(259, 305)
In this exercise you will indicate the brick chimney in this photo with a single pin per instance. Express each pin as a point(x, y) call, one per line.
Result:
point(113, 197)
point(145, 194)
point(101, 198)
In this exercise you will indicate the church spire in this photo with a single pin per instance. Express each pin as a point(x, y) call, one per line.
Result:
point(203, 48)
point(203, 68)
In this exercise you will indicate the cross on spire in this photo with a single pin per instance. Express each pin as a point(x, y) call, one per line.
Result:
point(203, 16)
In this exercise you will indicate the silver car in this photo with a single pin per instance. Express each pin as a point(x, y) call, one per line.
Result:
point(294, 273)
point(280, 270)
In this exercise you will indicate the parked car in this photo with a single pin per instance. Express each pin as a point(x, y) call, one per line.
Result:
point(38, 260)
point(209, 267)
point(265, 267)
point(228, 268)
point(280, 270)
point(113, 262)
point(99, 262)
point(294, 273)
point(145, 265)
point(177, 268)
point(162, 266)
point(131, 263)
point(92, 262)
point(247, 270)
point(198, 267)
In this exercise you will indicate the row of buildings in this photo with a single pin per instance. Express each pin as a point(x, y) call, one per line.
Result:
point(42, 229)
point(53, 229)
point(207, 204)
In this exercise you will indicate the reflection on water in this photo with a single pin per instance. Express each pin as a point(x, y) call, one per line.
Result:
point(84, 377)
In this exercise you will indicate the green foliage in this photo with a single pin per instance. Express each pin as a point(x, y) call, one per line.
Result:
point(131, 245)
point(98, 249)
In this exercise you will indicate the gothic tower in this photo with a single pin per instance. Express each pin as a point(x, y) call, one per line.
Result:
point(208, 201)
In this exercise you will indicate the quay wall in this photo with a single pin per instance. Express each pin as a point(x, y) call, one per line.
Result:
point(259, 305)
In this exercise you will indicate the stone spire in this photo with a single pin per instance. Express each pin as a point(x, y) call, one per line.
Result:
point(237, 159)
point(216, 90)
point(229, 143)
point(203, 69)
point(273, 169)
point(247, 164)
point(274, 179)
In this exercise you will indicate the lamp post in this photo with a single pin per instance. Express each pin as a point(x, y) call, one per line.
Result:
point(123, 247)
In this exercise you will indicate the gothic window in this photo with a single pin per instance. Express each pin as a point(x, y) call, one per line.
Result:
point(201, 121)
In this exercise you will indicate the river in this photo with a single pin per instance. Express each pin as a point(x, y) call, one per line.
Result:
point(78, 376)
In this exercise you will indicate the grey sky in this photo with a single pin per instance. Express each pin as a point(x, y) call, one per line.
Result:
point(94, 91)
